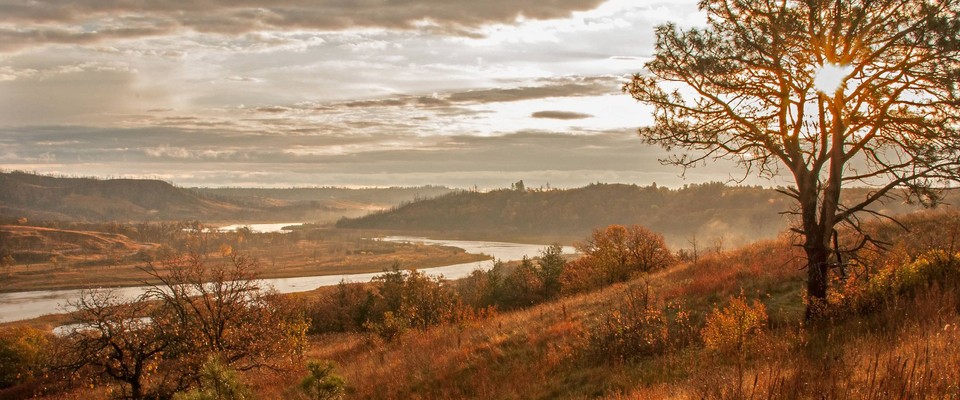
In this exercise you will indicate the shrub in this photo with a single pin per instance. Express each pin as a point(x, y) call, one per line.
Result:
point(344, 308)
point(736, 330)
point(409, 299)
point(22, 352)
point(390, 326)
point(217, 382)
point(551, 265)
point(638, 329)
point(504, 287)
point(322, 383)
point(579, 276)
point(161, 342)
point(618, 252)
point(865, 293)
point(736, 326)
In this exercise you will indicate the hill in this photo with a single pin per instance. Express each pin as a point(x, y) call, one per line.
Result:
point(711, 214)
point(378, 197)
point(645, 339)
point(55, 198)
point(50, 198)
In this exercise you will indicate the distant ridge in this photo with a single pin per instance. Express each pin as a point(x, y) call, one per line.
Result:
point(46, 197)
point(43, 197)
point(713, 214)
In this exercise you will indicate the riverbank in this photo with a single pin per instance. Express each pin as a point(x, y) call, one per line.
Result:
point(25, 305)
point(58, 259)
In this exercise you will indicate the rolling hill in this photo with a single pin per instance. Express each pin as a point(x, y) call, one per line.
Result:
point(49, 198)
point(88, 199)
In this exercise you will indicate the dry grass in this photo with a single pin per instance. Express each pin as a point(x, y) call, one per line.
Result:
point(533, 353)
point(905, 350)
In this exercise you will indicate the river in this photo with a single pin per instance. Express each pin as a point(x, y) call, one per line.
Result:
point(262, 228)
point(25, 305)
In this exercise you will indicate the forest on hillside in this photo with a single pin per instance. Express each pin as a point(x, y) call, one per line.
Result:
point(387, 196)
point(711, 214)
point(61, 198)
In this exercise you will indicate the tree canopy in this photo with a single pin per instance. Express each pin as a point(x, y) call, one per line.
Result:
point(827, 93)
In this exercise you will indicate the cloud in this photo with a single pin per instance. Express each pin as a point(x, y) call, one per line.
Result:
point(571, 86)
point(273, 109)
point(15, 39)
point(204, 158)
point(560, 115)
point(563, 87)
point(167, 151)
point(236, 78)
point(83, 21)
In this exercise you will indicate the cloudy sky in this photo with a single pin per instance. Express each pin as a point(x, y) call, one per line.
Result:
point(333, 92)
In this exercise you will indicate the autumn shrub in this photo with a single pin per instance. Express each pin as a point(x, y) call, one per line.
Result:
point(389, 326)
point(508, 287)
point(735, 332)
point(523, 287)
point(116, 341)
point(579, 276)
point(868, 291)
point(735, 327)
point(402, 300)
point(161, 342)
point(343, 308)
point(617, 253)
point(22, 354)
point(551, 264)
point(639, 328)
point(479, 289)
point(222, 309)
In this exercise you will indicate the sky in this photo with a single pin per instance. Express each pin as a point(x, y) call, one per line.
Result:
point(354, 93)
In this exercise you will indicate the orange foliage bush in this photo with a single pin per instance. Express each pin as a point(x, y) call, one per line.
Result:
point(736, 326)
point(618, 252)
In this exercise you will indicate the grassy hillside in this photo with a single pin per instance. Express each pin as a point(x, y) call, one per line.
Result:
point(712, 214)
point(895, 341)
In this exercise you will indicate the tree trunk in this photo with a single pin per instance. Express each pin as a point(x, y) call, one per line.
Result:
point(817, 269)
point(815, 244)
point(136, 390)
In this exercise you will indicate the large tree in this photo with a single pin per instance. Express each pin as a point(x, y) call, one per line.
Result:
point(829, 93)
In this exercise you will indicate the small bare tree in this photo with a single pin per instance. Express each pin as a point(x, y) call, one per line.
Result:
point(158, 343)
point(116, 338)
point(221, 311)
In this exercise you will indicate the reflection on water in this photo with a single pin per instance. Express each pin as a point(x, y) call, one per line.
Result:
point(261, 228)
point(24, 305)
